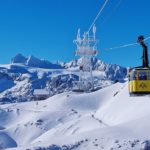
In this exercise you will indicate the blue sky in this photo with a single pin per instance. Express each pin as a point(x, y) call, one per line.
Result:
point(46, 28)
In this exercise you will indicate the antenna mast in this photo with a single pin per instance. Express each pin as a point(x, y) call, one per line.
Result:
point(86, 50)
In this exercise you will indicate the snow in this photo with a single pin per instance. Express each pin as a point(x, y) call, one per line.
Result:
point(106, 119)
point(19, 79)
point(40, 92)
point(32, 61)
point(6, 84)
point(6, 141)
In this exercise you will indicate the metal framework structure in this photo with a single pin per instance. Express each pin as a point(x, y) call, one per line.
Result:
point(86, 49)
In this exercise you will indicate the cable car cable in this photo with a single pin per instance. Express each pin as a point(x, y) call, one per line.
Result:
point(112, 11)
point(97, 16)
point(126, 45)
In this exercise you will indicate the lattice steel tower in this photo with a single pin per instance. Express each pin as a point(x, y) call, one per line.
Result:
point(86, 50)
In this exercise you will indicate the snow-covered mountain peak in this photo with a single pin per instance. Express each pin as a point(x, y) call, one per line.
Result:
point(25, 74)
point(19, 58)
point(32, 61)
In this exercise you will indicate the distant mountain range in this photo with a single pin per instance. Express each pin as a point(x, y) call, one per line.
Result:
point(19, 79)
point(32, 61)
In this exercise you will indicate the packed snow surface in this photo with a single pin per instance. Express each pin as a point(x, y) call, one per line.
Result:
point(108, 119)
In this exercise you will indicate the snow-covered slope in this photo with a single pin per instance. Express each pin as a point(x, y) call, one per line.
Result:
point(108, 119)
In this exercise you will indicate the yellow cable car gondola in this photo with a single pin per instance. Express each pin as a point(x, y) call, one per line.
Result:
point(139, 77)
point(139, 81)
